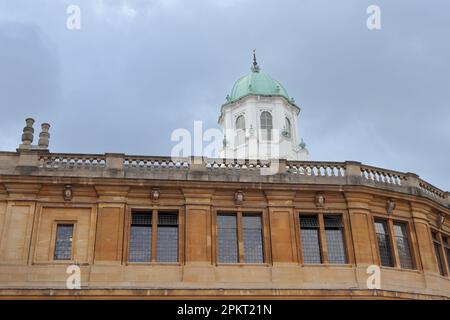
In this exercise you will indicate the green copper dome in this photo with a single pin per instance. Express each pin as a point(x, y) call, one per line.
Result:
point(256, 83)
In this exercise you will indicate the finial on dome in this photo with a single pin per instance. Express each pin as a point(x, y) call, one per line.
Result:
point(255, 67)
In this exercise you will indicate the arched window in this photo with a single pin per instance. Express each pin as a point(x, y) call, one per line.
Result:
point(240, 130)
point(240, 123)
point(287, 126)
point(266, 125)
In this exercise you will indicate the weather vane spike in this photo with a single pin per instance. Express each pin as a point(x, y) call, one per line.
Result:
point(255, 67)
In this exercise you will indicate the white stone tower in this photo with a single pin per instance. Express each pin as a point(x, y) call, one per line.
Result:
point(259, 120)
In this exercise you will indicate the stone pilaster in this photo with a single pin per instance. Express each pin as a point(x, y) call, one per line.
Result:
point(427, 259)
point(282, 226)
point(353, 172)
point(18, 222)
point(110, 226)
point(358, 205)
point(198, 225)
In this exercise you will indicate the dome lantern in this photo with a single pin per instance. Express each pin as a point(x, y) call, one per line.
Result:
point(257, 83)
point(259, 120)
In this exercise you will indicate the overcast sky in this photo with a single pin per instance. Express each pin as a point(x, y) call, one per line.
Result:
point(139, 69)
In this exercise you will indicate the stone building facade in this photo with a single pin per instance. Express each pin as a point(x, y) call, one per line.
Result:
point(223, 229)
point(232, 227)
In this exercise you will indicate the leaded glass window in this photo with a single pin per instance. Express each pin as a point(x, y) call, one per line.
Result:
point(227, 241)
point(288, 127)
point(266, 125)
point(252, 233)
point(63, 245)
point(335, 239)
point(404, 249)
point(447, 250)
point(309, 230)
point(240, 123)
point(167, 240)
point(437, 252)
point(240, 130)
point(384, 243)
point(140, 237)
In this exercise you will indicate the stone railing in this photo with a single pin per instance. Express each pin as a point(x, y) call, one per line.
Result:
point(214, 163)
point(316, 168)
point(117, 165)
point(432, 191)
point(148, 163)
point(379, 175)
point(72, 161)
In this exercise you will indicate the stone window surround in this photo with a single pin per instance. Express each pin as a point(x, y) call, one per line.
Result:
point(261, 135)
point(240, 116)
point(288, 124)
point(445, 264)
point(239, 213)
point(55, 224)
point(240, 132)
point(323, 246)
point(154, 209)
point(393, 242)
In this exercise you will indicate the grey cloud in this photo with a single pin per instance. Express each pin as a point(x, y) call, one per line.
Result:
point(137, 70)
point(29, 77)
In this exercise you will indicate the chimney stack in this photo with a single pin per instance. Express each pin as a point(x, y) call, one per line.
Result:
point(27, 135)
point(44, 136)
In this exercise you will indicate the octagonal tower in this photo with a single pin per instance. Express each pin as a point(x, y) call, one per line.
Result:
point(259, 120)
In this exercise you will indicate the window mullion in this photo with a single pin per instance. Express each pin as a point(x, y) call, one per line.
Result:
point(154, 233)
point(267, 245)
point(413, 243)
point(240, 237)
point(323, 240)
point(180, 213)
point(301, 259)
point(443, 255)
point(346, 233)
point(446, 250)
point(394, 244)
point(435, 238)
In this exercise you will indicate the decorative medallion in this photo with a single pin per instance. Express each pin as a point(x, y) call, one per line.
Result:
point(320, 200)
point(440, 220)
point(390, 206)
point(67, 192)
point(155, 194)
point(239, 197)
